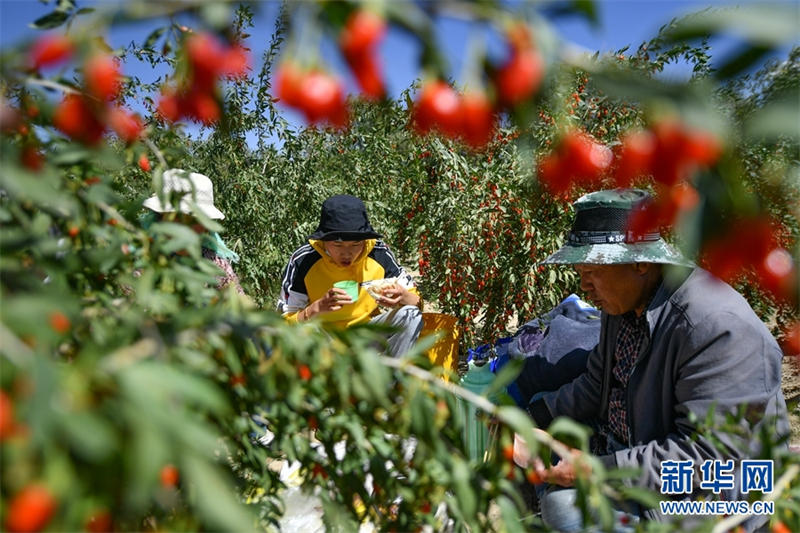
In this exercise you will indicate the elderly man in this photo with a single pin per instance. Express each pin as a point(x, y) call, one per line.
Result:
point(674, 343)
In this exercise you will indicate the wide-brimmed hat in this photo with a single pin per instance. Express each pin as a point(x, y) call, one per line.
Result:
point(344, 218)
point(600, 236)
point(195, 190)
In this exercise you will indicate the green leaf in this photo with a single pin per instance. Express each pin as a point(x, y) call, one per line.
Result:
point(464, 493)
point(566, 427)
point(49, 21)
point(90, 435)
point(647, 498)
point(520, 423)
point(507, 374)
point(180, 238)
point(761, 24)
point(153, 37)
point(512, 522)
point(215, 496)
point(740, 62)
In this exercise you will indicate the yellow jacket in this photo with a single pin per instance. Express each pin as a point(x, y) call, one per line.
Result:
point(311, 273)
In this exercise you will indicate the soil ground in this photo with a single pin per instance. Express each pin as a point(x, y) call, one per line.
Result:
point(791, 391)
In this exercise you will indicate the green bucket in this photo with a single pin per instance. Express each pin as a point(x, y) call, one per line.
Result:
point(475, 430)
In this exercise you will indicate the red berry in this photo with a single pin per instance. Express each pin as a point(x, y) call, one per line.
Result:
point(50, 49)
point(519, 78)
point(202, 106)
point(477, 119)
point(169, 476)
point(791, 339)
point(144, 163)
point(304, 372)
point(438, 107)
point(508, 452)
point(585, 158)
point(103, 78)
point(30, 509)
point(126, 125)
point(702, 147)
point(206, 58)
point(169, 105)
point(59, 322)
point(73, 231)
point(76, 118)
point(99, 522)
point(321, 98)
point(362, 31)
point(551, 174)
point(287, 84)
point(7, 423)
point(31, 158)
point(367, 71)
point(634, 157)
point(533, 478)
point(235, 61)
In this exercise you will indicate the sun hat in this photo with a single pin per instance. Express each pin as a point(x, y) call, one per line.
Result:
point(344, 218)
point(197, 192)
point(599, 234)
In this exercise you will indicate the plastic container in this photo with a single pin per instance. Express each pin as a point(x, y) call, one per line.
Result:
point(475, 429)
point(350, 287)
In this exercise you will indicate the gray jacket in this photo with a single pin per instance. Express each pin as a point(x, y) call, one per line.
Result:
point(707, 347)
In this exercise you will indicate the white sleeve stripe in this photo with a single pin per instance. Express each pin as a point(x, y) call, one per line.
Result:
point(295, 302)
point(290, 271)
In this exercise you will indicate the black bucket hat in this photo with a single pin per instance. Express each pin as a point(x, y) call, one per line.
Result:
point(344, 218)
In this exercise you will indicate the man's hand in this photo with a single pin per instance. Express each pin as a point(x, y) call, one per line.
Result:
point(396, 296)
point(564, 473)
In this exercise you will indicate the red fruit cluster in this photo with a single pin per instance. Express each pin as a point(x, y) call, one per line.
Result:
point(472, 116)
point(669, 152)
point(750, 245)
point(197, 97)
point(578, 159)
point(317, 94)
point(50, 49)
point(30, 509)
point(667, 205)
point(441, 108)
point(358, 41)
point(85, 117)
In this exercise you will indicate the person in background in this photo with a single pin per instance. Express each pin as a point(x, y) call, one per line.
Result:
point(675, 342)
point(346, 248)
point(195, 191)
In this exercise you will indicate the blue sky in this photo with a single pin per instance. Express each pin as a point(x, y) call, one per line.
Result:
point(622, 23)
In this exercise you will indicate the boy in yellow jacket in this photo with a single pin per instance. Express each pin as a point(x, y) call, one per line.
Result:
point(346, 248)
